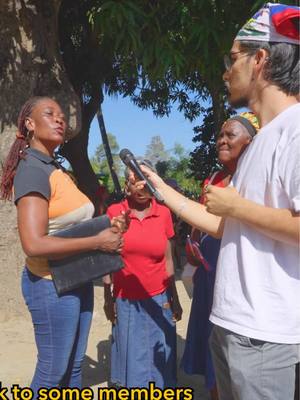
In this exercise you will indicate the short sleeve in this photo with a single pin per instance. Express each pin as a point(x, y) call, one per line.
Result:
point(290, 173)
point(31, 179)
point(169, 224)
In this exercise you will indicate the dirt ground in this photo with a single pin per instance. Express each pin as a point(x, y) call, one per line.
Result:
point(18, 354)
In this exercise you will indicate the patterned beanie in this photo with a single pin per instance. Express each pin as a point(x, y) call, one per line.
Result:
point(272, 23)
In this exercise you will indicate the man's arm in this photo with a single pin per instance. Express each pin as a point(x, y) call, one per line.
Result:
point(279, 224)
point(193, 213)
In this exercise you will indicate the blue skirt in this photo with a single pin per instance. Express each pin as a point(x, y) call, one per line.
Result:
point(197, 358)
point(144, 343)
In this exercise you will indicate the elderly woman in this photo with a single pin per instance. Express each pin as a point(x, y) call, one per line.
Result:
point(236, 133)
point(144, 305)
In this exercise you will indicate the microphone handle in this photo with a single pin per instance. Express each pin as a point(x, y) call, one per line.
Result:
point(139, 173)
point(158, 196)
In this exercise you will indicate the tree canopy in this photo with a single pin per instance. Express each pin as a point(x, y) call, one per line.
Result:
point(100, 164)
point(158, 53)
point(156, 151)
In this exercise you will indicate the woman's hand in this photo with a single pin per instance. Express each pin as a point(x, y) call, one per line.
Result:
point(122, 221)
point(110, 240)
point(109, 301)
point(176, 309)
point(110, 309)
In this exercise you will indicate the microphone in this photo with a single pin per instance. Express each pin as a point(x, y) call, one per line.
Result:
point(128, 159)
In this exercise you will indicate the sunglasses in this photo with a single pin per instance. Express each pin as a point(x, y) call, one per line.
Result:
point(228, 61)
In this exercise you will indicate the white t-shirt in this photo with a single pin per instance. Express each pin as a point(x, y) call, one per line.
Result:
point(257, 289)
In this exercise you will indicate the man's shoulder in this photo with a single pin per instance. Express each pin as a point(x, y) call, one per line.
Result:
point(289, 119)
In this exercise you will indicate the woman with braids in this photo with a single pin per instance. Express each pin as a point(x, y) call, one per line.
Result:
point(48, 200)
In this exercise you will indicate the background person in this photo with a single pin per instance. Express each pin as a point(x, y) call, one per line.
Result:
point(181, 229)
point(47, 200)
point(256, 308)
point(236, 133)
point(144, 305)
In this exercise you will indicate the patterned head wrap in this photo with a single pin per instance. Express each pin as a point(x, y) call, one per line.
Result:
point(248, 120)
point(272, 23)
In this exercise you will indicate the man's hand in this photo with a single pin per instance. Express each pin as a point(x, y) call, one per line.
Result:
point(156, 181)
point(220, 201)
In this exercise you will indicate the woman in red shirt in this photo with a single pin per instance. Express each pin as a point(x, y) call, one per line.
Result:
point(144, 304)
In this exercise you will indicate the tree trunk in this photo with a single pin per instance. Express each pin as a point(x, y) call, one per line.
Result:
point(106, 147)
point(30, 64)
point(218, 108)
point(76, 153)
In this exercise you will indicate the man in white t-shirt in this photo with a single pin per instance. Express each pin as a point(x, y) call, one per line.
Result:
point(256, 310)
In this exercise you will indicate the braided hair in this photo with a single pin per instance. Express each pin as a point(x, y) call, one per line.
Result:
point(16, 152)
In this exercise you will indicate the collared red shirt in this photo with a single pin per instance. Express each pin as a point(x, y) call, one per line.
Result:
point(145, 244)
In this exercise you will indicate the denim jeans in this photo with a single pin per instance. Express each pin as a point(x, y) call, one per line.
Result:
point(61, 328)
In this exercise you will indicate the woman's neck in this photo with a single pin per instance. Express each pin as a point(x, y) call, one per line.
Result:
point(227, 176)
point(43, 149)
point(139, 207)
point(230, 168)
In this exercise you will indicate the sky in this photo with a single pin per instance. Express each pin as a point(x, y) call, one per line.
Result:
point(134, 127)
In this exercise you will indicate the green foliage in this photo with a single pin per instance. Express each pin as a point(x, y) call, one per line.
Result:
point(169, 41)
point(100, 165)
point(155, 151)
point(156, 52)
point(177, 169)
point(173, 53)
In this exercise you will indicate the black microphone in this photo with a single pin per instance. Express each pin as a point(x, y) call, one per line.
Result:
point(128, 159)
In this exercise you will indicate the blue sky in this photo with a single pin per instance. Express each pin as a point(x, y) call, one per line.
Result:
point(134, 127)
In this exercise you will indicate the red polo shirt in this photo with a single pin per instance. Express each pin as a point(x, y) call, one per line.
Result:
point(144, 274)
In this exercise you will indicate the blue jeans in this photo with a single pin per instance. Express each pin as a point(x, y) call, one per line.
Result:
point(61, 327)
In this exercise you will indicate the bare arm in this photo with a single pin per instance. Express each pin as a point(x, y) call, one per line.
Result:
point(193, 213)
point(175, 304)
point(278, 224)
point(33, 226)
point(109, 306)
